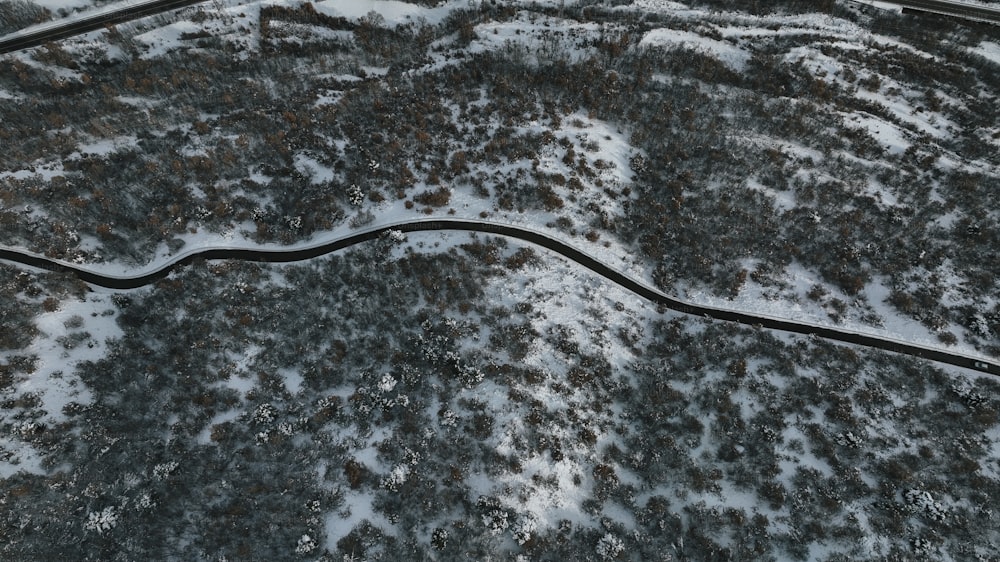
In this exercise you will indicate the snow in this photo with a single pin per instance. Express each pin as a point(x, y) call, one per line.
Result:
point(543, 37)
point(56, 388)
point(562, 296)
point(84, 14)
point(612, 146)
point(299, 32)
point(293, 380)
point(393, 11)
point(783, 200)
point(74, 333)
point(546, 504)
point(729, 496)
point(932, 123)
point(882, 5)
point(664, 6)
point(733, 57)
point(888, 136)
point(45, 172)
point(103, 147)
point(534, 31)
point(989, 50)
point(359, 507)
point(135, 101)
point(164, 39)
point(231, 20)
point(893, 98)
point(794, 460)
point(895, 7)
point(204, 437)
point(63, 6)
point(313, 169)
point(896, 327)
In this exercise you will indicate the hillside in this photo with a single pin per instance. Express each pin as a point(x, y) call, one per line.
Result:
point(449, 396)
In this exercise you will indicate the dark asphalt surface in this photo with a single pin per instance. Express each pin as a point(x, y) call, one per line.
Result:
point(132, 12)
point(951, 9)
point(537, 238)
point(90, 24)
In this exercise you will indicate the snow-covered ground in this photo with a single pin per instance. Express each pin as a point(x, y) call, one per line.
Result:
point(680, 374)
point(75, 10)
point(393, 12)
point(989, 50)
point(732, 55)
point(737, 31)
point(74, 332)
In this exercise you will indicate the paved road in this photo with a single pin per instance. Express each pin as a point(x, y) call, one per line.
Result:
point(135, 10)
point(541, 239)
point(55, 30)
point(955, 9)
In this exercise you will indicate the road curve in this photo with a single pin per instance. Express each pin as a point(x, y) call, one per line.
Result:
point(135, 9)
point(521, 233)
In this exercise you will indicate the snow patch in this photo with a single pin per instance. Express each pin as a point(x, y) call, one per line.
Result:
point(74, 333)
point(393, 11)
point(732, 56)
point(988, 50)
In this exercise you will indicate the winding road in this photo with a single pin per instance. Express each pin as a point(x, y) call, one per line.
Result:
point(135, 9)
point(520, 233)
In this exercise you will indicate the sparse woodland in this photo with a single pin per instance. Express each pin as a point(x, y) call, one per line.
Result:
point(456, 397)
point(295, 137)
point(248, 420)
